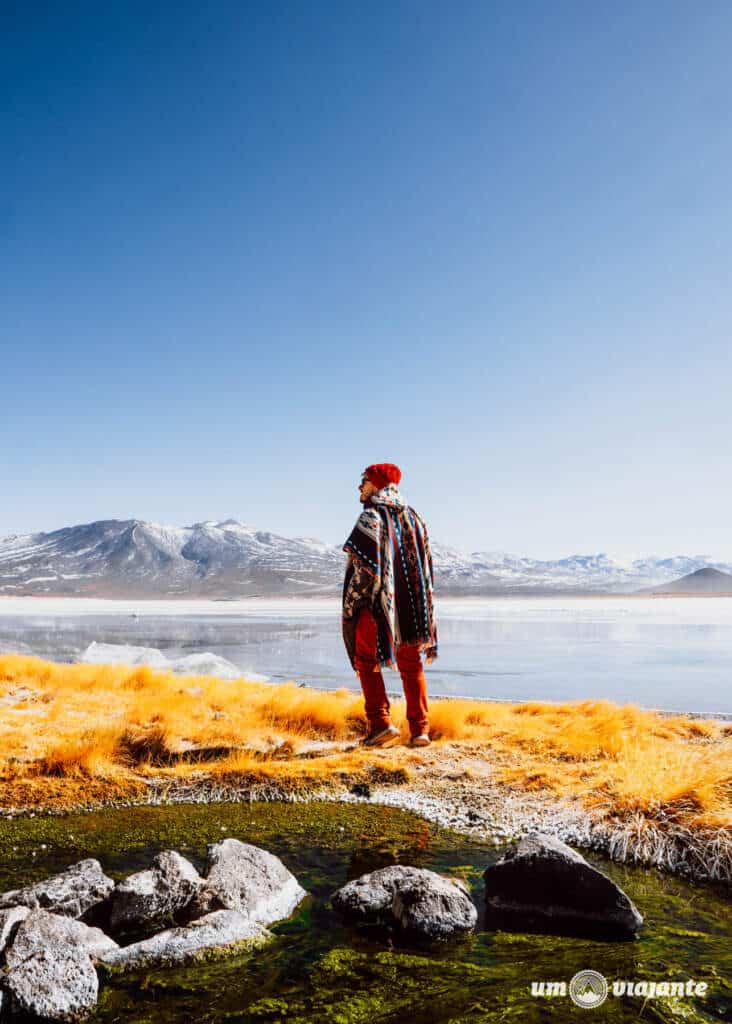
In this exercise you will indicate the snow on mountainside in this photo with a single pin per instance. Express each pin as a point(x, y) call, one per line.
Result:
point(132, 558)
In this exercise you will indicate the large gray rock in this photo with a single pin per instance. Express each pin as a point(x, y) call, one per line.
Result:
point(222, 931)
point(41, 930)
point(57, 985)
point(71, 892)
point(541, 884)
point(9, 921)
point(434, 907)
point(244, 878)
point(419, 901)
point(147, 897)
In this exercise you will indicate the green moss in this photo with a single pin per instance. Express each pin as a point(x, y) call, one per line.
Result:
point(348, 987)
point(125, 838)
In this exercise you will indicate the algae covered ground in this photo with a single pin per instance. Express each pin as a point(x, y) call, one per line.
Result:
point(320, 970)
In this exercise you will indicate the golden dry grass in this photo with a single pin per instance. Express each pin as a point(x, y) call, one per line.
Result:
point(71, 730)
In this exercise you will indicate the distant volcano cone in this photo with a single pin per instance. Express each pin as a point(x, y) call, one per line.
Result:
point(703, 581)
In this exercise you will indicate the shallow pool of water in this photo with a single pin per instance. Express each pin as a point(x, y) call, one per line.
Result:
point(319, 970)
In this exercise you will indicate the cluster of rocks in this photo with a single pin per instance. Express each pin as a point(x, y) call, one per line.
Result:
point(539, 884)
point(54, 935)
point(52, 945)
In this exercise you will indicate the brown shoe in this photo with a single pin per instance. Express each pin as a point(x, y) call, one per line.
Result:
point(383, 738)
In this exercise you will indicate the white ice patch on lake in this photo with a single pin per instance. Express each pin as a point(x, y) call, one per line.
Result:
point(203, 663)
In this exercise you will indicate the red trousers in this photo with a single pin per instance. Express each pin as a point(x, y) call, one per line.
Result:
point(410, 668)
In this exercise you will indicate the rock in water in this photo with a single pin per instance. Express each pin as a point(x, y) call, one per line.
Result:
point(55, 934)
point(244, 878)
point(71, 892)
point(541, 884)
point(55, 984)
point(421, 902)
point(222, 931)
point(148, 896)
point(436, 908)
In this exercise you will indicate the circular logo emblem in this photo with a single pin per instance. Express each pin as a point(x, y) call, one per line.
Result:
point(588, 989)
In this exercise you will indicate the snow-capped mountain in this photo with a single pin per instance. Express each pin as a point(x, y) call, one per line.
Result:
point(579, 573)
point(132, 558)
point(137, 559)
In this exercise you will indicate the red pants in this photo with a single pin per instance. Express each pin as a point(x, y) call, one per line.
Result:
point(409, 664)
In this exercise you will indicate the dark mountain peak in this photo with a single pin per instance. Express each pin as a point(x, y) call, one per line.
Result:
point(706, 580)
point(97, 526)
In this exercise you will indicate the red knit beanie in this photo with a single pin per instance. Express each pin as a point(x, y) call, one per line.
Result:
point(382, 473)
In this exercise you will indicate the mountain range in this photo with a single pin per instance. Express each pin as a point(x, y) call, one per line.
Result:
point(137, 559)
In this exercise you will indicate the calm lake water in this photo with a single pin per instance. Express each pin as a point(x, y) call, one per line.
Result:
point(665, 653)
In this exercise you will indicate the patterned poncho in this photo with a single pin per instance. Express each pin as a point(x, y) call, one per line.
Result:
point(390, 544)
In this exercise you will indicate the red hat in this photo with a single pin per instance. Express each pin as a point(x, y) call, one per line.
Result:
point(382, 473)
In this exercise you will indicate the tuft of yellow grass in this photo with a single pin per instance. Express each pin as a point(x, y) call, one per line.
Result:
point(88, 725)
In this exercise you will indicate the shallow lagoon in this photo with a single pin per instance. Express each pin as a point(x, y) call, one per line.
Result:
point(318, 970)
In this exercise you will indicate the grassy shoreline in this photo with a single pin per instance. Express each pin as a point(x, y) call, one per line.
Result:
point(719, 716)
point(643, 786)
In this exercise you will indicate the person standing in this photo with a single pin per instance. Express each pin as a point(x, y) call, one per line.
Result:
point(388, 616)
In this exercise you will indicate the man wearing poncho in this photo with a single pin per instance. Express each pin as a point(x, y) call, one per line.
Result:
point(388, 614)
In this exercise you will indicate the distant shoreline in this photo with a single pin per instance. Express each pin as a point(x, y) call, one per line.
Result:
point(334, 600)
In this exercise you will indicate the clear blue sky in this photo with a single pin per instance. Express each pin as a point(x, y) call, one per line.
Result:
point(246, 249)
